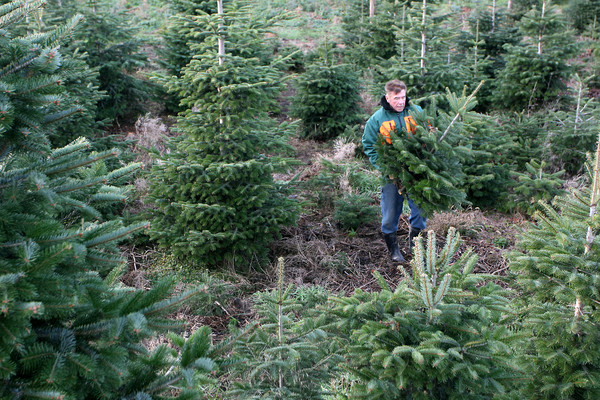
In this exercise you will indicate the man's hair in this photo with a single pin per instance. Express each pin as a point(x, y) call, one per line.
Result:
point(395, 86)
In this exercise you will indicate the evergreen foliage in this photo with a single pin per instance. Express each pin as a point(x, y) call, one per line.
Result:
point(557, 270)
point(369, 38)
point(112, 50)
point(288, 355)
point(526, 134)
point(215, 194)
point(176, 53)
point(327, 100)
point(354, 210)
point(113, 47)
point(487, 170)
point(426, 56)
point(484, 47)
point(440, 334)
point(70, 328)
point(79, 84)
point(572, 133)
point(426, 165)
point(81, 93)
point(536, 68)
point(534, 185)
point(583, 14)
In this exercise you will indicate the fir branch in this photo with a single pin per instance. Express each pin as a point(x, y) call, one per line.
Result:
point(116, 235)
point(165, 305)
point(51, 118)
point(81, 163)
point(81, 143)
point(42, 394)
point(16, 10)
point(460, 111)
point(18, 65)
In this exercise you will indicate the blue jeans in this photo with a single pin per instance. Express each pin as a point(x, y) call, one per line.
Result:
point(391, 209)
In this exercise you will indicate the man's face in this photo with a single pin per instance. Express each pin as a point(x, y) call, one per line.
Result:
point(397, 100)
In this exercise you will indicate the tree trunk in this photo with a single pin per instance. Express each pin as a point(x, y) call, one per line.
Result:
point(371, 8)
point(476, 49)
point(403, 30)
point(423, 38)
point(541, 29)
point(493, 15)
point(221, 39)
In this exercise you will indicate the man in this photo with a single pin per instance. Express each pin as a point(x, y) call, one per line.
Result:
point(395, 115)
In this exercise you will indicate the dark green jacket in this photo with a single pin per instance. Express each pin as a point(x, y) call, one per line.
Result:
point(382, 121)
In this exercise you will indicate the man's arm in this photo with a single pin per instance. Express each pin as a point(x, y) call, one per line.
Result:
point(368, 141)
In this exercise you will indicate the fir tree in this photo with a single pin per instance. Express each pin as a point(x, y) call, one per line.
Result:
point(533, 185)
point(369, 38)
point(215, 194)
point(354, 210)
point(572, 132)
point(288, 355)
point(79, 83)
point(487, 170)
point(426, 164)
point(70, 328)
point(327, 99)
point(109, 41)
point(439, 334)
point(536, 68)
point(483, 46)
point(557, 270)
point(426, 58)
point(527, 134)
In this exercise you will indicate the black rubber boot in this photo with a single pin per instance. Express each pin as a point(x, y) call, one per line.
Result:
point(391, 240)
point(412, 234)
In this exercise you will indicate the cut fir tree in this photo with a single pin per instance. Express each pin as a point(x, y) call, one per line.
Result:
point(425, 163)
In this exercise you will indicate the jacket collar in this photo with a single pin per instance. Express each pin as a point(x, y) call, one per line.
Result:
point(386, 106)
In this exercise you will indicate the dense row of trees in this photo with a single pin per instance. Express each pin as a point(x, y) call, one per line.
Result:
point(71, 329)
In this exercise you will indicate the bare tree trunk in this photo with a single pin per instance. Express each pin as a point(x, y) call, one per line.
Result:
point(493, 15)
point(403, 30)
point(594, 199)
point(476, 48)
point(590, 233)
point(578, 109)
point(509, 5)
point(541, 29)
point(371, 8)
point(221, 39)
point(220, 42)
point(423, 38)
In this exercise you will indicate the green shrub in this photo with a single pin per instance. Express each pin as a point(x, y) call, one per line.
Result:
point(439, 335)
point(556, 268)
point(288, 355)
point(534, 185)
point(217, 201)
point(354, 210)
point(327, 100)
